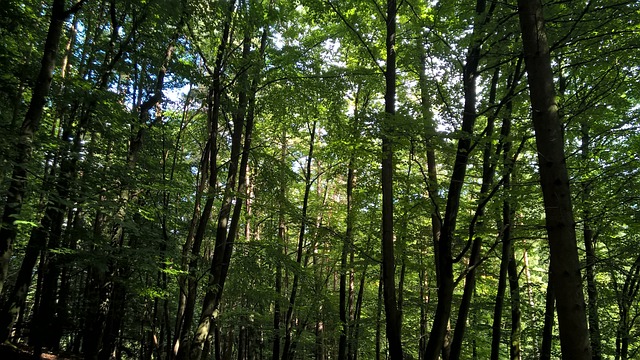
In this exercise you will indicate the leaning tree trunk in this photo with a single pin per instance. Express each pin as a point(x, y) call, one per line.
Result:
point(225, 239)
point(182, 345)
point(446, 285)
point(488, 172)
point(30, 125)
point(554, 179)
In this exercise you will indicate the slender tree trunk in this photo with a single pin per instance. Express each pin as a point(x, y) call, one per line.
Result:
point(30, 125)
point(488, 171)
point(589, 240)
point(342, 346)
point(186, 281)
point(549, 319)
point(393, 320)
point(554, 179)
point(355, 331)
point(211, 303)
point(438, 332)
point(111, 304)
point(432, 188)
point(504, 265)
point(378, 337)
point(281, 240)
point(626, 299)
point(516, 324)
point(506, 223)
point(287, 349)
point(45, 317)
point(432, 171)
point(183, 346)
point(225, 239)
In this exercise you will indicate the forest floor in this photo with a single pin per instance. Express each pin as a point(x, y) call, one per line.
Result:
point(11, 352)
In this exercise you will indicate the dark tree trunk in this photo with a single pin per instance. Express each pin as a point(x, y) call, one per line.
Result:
point(506, 225)
point(187, 311)
point(627, 297)
point(446, 286)
point(211, 303)
point(378, 318)
point(355, 328)
point(502, 279)
point(589, 243)
point(514, 291)
point(465, 306)
point(104, 322)
point(549, 319)
point(554, 179)
point(393, 320)
point(488, 171)
point(282, 240)
point(30, 125)
point(342, 346)
point(46, 314)
point(225, 239)
point(431, 181)
point(346, 300)
point(288, 349)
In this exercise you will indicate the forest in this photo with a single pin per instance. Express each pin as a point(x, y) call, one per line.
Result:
point(320, 179)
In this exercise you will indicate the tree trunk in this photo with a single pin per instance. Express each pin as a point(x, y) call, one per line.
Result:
point(287, 349)
point(507, 222)
point(106, 322)
point(225, 239)
point(30, 125)
point(393, 320)
point(554, 179)
point(445, 260)
point(281, 240)
point(344, 345)
point(589, 240)
point(352, 353)
point(549, 319)
point(627, 298)
point(378, 318)
point(344, 331)
point(488, 171)
point(431, 181)
point(516, 327)
point(182, 345)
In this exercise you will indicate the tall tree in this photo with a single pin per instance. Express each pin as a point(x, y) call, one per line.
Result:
point(565, 266)
point(30, 125)
point(393, 319)
point(446, 284)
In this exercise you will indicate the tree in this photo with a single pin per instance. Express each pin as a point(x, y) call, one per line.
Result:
point(209, 179)
point(554, 180)
point(30, 125)
point(393, 320)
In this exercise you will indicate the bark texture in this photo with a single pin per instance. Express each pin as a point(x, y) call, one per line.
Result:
point(565, 267)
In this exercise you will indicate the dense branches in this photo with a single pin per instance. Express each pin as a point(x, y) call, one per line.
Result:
point(319, 179)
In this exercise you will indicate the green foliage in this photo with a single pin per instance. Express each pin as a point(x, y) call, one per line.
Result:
point(129, 211)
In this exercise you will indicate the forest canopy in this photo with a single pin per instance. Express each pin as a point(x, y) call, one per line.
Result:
point(320, 179)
